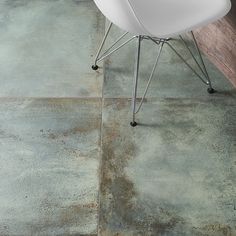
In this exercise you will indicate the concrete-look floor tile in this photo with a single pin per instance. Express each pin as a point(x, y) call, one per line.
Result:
point(49, 160)
point(171, 79)
point(47, 48)
point(172, 175)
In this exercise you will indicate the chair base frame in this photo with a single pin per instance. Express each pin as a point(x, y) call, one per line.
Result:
point(203, 75)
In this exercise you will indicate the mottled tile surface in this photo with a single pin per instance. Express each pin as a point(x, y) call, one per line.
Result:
point(47, 48)
point(49, 160)
point(172, 175)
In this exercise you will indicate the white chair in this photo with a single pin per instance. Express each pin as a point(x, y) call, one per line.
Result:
point(159, 21)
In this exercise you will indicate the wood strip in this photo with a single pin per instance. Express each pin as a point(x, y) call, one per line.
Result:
point(218, 42)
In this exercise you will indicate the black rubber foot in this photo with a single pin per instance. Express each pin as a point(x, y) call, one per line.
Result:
point(133, 123)
point(94, 67)
point(211, 90)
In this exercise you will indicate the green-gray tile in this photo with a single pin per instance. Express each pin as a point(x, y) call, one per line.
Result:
point(172, 175)
point(49, 160)
point(47, 48)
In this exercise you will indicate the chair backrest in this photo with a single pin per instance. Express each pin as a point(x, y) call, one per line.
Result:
point(162, 17)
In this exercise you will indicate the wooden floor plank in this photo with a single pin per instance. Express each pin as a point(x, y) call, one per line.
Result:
point(218, 41)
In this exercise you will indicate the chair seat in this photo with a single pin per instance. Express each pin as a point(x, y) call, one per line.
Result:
point(162, 18)
point(166, 18)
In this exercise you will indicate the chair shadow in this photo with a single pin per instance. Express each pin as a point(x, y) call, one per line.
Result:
point(151, 125)
point(226, 93)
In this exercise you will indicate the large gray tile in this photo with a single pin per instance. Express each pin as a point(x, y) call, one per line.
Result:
point(49, 160)
point(172, 78)
point(47, 47)
point(172, 175)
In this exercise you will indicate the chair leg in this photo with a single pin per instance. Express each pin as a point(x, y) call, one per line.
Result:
point(201, 65)
point(135, 83)
point(151, 76)
point(210, 89)
point(95, 66)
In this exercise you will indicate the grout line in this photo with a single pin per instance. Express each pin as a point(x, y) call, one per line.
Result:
point(216, 96)
point(100, 169)
point(87, 98)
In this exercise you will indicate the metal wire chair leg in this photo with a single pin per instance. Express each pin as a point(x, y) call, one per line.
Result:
point(136, 75)
point(95, 67)
point(150, 77)
point(210, 89)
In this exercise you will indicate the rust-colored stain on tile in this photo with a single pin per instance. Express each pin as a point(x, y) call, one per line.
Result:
point(131, 202)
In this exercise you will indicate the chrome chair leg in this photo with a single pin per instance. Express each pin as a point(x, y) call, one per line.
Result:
point(136, 77)
point(135, 83)
point(201, 65)
point(210, 89)
point(110, 50)
point(151, 76)
point(95, 66)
